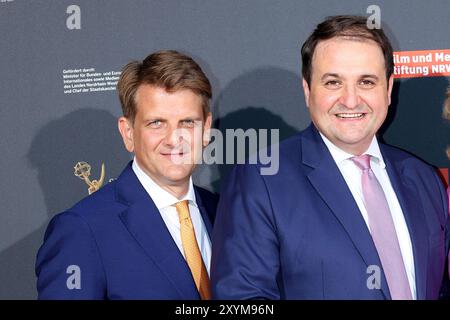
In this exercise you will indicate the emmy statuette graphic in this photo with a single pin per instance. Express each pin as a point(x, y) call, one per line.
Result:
point(83, 171)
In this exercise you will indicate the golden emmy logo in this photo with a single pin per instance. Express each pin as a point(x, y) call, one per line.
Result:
point(83, 171)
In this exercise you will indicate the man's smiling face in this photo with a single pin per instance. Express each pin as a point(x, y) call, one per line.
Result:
point(349, 95)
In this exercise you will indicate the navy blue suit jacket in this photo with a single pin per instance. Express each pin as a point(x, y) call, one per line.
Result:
point(121, 245)
point(300, 235)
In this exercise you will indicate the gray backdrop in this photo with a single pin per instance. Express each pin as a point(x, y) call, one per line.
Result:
point(250, 51)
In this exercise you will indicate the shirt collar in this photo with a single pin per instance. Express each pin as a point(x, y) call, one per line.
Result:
point(340, 155)
point(161, 197)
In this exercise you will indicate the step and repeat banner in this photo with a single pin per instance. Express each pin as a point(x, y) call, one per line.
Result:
point(60, 62)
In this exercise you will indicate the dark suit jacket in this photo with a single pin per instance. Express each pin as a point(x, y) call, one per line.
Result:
point(121, 245)
point(300, 235)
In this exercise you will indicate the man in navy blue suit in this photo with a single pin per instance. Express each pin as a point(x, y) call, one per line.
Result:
point(345, 217)
point(147, 234)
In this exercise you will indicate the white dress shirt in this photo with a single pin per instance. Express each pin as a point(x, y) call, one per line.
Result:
point(165, 201)
point(352, 176)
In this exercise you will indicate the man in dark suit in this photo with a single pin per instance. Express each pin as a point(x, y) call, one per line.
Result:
point(147, 234)
point(345, 217)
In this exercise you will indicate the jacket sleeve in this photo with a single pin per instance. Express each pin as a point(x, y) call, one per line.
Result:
point(68, 264)
point(245, 259)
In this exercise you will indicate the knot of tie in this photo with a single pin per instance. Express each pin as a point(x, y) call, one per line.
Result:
point(183, 210)
point(363, 161)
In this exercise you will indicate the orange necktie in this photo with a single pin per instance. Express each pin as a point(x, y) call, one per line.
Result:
point(192, 252)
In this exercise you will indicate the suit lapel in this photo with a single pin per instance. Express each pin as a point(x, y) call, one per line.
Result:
point(414, 217)
point(332, 188)
point(203, 212)
point(145, 224)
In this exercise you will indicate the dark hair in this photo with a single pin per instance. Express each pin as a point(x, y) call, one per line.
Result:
point(167, 69)
point(349, 27)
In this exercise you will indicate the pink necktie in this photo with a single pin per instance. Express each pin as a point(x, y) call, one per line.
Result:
point(383, 231)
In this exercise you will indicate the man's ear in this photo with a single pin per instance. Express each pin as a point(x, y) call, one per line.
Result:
point(126, 131)
point(206, 130)
point(306, 91)
point(390, 86)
